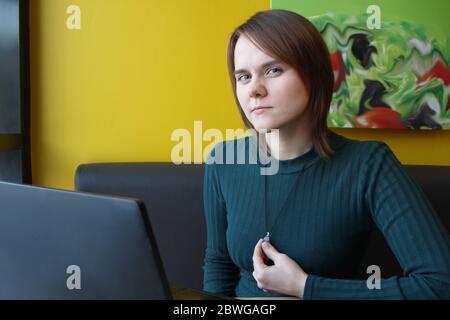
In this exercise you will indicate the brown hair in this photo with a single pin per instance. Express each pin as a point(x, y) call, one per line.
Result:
point(294, 40)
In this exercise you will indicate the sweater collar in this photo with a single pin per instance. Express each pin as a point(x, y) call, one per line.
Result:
point(303, 162)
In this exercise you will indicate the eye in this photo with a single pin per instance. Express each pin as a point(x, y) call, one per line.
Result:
point(278, 70)
point(240, 77)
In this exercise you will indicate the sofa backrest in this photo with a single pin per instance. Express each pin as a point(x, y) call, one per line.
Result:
point(173, 195)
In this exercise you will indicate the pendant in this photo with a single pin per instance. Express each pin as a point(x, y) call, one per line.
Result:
point(267, 237)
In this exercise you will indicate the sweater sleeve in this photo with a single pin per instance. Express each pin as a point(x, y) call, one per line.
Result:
point(220, 273)
point(413, 231)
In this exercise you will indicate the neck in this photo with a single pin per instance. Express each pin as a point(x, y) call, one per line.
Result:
point(292, 142)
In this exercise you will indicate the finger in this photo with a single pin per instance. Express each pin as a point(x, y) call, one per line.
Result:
point(255, 250)
point(270, 251)
point(261, 252)
point(258, 261)
point(258, 256)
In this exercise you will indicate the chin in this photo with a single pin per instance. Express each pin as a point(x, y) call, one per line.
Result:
point(261, 125)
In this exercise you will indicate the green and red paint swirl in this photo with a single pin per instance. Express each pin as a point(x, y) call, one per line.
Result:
point(395, 77)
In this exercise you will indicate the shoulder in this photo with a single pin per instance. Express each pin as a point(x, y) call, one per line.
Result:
point(222, 162)
point(363, 158)
point(228, 151)
point(351, 149)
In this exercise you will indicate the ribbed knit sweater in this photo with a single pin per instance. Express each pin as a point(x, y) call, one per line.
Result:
point(325, 223)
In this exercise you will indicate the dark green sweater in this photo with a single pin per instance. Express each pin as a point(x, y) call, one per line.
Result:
point(325, 223)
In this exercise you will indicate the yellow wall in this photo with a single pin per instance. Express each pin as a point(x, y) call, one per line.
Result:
point(138, 69)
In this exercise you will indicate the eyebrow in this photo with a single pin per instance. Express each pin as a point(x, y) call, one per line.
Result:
point(265, 65)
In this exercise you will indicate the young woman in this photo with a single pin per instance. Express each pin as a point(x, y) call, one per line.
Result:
point(316, 213)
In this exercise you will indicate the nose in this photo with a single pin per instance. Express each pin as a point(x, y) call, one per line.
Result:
point(257, 89)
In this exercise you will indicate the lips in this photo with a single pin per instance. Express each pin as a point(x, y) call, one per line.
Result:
point(258, 109)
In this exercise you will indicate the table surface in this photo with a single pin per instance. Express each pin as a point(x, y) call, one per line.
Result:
point(182, 293)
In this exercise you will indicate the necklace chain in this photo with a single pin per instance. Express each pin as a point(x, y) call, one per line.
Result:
point(267, 236)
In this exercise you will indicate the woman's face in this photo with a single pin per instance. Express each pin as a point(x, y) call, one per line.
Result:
point(275, 87)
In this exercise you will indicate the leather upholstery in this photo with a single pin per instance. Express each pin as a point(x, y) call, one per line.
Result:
point(173, 195)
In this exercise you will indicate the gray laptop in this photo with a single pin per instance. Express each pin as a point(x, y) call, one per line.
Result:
point(57, 244)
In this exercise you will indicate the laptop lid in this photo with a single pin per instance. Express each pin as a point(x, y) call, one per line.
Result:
point(57, 244)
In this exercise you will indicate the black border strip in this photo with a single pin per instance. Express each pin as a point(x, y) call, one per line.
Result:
point(24, 49)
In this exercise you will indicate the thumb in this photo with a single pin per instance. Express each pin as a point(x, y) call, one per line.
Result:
point(270, 250)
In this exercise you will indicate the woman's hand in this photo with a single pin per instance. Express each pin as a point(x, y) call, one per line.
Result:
point(285, 276)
